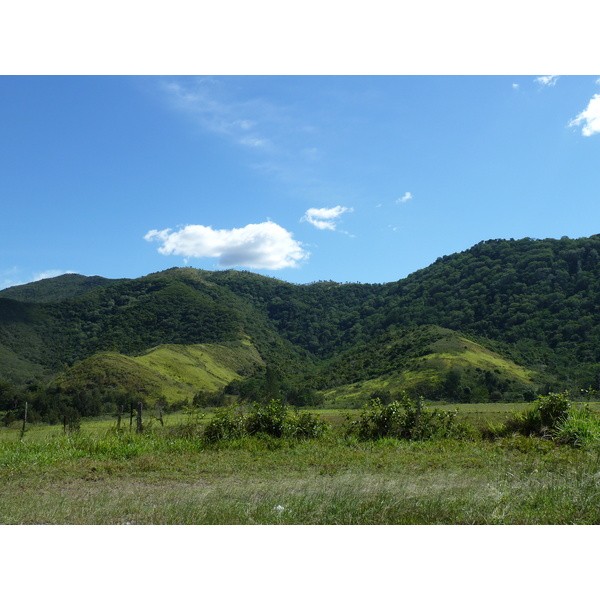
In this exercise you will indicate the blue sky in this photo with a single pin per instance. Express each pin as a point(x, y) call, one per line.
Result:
point(303, 178)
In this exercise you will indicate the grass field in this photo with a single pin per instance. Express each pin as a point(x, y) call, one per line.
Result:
point(160, 477)
point(472, 413)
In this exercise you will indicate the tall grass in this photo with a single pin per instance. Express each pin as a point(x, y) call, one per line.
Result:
point(148, 479)
point(177, 475)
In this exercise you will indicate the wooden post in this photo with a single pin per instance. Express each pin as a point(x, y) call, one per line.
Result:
point(139, 426)
point(24, 420)
point(130, 415)
point(119, 414)
point(418, 415)
point(160, 415)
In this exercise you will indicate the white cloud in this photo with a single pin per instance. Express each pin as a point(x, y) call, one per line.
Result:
point(408, 196)
point(324, 218)
point(590, 117)
point(547, 80)
point(515, 86)
point(256, 246)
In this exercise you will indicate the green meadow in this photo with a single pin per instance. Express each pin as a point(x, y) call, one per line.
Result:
point(171, 475)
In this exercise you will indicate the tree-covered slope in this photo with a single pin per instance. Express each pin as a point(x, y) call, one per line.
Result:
point(55, 289)
point(533, 302)
point(538, 298)
point(429, 361)
point(128, 317)
point(322, 318)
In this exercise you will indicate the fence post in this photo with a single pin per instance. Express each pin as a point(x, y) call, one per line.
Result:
point(24, 420)
point(139, 426)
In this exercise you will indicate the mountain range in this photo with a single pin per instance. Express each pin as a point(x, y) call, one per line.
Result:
point(504, 319)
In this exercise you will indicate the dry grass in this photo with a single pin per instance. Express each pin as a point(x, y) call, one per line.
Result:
point(335, 481)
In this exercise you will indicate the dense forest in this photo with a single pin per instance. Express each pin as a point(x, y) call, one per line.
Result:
point(501, 320)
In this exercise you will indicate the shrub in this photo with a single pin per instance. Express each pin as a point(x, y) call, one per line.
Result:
point(227, 424)
point(272, 420)
point(9, 418)
point(268, 418)
point(305, 425)
point(71, 419)
point(204, 398)
point(543, 418)
point(404, 419)
point(553, 409)
point(554, 417)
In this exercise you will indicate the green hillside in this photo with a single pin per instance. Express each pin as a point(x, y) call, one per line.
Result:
point(129, 317)
point(171, 373)
point(496, 321)
point(538, 298)
point(322, 317)
point(428, 361)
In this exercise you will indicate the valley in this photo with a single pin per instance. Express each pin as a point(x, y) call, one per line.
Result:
point(464, 393)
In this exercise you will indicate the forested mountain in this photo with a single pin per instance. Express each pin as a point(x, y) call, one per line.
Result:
point(500, 319)
point(177, 306)
point(538, 298)
point(56, 288)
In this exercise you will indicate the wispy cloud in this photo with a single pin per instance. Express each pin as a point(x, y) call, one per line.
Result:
point(276, 136)
point(589, 119)
point(515, 86)
point(12, 277)
point(201, 98)
point(49, 274)
point(256, 246)
point(407, 196)
point(7, 278)
point(549, 80)
point(253, 142)
point(325, 218)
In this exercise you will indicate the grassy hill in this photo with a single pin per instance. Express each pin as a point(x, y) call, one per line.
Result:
point(171, 373)
point(431, 361)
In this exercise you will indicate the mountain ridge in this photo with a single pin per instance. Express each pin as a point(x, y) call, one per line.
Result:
point(533, 303)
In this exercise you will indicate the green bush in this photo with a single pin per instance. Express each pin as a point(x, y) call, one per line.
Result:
point(272, 419)
point(543, 418)
point(404, 419)
point(303, 425)
point(227, 424)
point(554, 417)
point(267, 418)
point(204, 398)
point(553, 409)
